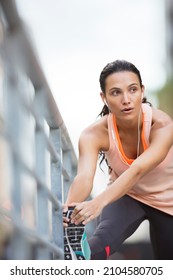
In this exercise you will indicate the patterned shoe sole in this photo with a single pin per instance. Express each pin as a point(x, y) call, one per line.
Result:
point(72, 239)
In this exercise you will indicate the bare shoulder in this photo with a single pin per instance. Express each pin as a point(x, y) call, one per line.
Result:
point(160, 119)
point(162, 127)
point(96, 135)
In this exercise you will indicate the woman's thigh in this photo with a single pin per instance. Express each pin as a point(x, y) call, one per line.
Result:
point(161, 233)
point(117, 222)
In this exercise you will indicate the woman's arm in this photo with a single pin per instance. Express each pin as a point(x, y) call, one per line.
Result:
point(89, 146)
point(161, 142)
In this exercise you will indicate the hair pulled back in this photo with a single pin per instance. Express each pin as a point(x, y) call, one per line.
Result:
point(115, 67)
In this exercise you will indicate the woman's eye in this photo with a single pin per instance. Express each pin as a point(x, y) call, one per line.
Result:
point(116, 92)
point(133, 90)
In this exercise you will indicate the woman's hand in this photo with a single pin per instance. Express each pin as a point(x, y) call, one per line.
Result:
point(65, 219)
point(86, 211)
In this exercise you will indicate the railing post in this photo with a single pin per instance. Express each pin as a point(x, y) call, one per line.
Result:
point(14, 117)
point(42, 200)
point(67, 162)
point(56, 188)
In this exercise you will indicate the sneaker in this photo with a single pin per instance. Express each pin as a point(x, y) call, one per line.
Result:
point(76, 246)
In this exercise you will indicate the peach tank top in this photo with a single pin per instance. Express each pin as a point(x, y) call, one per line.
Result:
point(156, 187)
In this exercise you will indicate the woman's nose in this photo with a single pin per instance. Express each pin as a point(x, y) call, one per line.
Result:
point(126, 98)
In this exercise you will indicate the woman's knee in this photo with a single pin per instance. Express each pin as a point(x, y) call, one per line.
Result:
point(99, 249)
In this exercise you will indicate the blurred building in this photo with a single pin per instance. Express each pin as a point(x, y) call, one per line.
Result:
point(169, 37)
point(165, 94)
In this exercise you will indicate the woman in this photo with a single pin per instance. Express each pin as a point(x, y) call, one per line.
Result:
point(136, 141)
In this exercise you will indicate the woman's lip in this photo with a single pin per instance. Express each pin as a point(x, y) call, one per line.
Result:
point(127, 110)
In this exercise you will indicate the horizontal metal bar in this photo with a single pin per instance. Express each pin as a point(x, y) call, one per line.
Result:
point(54, 155)
point(44, 187)
point(42, 240)
point(38, 180)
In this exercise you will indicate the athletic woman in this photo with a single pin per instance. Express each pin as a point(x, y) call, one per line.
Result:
point(136, 142)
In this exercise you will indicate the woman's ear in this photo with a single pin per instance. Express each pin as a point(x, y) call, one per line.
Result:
point(102, 96)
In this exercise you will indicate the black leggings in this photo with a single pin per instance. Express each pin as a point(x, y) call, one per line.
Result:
point(119, 221)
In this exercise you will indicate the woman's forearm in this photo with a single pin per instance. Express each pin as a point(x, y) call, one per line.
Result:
point(120, 186)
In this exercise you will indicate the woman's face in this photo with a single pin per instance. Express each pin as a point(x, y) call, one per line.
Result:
point(123, 94)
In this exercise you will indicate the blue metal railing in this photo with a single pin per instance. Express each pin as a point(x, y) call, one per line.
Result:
point(39, 159)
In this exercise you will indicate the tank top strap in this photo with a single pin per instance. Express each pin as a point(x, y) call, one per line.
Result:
point(112, 136)
point(147, 121)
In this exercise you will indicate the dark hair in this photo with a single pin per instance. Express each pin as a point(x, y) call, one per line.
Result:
point(115, 67)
